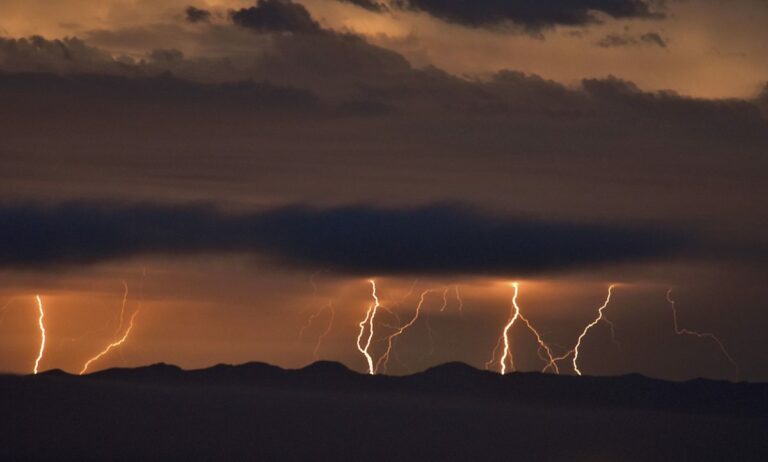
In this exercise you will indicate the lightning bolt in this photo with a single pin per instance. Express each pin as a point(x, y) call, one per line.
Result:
point(445, 300)
point(600, 317)
point(708, 335)
point(458, 298)
point(398, 303)
point(542, 347)
point(612, 327)
point(326, 331)
point(112, 345)
point(507, 356)
point(122, 309)
point(370, 315)
point(40, 324)
point(309, 322)
point(507, 353)
point(384, 358)
point(119, 341)
point(430, 331)
point(328, 307)
point(491, 361)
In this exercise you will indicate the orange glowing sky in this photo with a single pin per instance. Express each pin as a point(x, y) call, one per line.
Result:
point(715, 49)
point(394, 111)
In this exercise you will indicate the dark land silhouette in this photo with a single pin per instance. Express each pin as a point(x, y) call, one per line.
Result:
point(325, 411)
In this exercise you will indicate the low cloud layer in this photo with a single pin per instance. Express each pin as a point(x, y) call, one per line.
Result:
point(18, 89)
point(195, 15)
point(622, 40)
point(358, 240)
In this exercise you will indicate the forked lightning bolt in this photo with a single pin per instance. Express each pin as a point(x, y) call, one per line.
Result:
point(708, 335)
point(384, 358)
point(507, 356)
point(112, 345)
point(328, 307)
point(507, 352)
point(542, 347)
point(121, 320)
point(370, 316)
point(592, 324)
point(575, 350)
point(41, 316)
point(398, 303)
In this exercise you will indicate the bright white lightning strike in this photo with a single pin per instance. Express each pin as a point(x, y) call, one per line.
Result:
point(592, 324)
point(370, 316)
point(112, 345)
point(507, 353)
point(42, 332)
point(507, 356)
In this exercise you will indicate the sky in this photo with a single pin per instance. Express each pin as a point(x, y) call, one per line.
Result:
point(237, 172)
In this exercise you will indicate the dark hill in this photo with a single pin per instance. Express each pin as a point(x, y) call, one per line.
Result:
point(327, 412)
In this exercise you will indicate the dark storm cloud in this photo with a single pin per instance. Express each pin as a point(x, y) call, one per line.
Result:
point(369, 5)
point(531, 14)
point(115, 94)
point(357, 240)
point(308, 60)
point(162, 55)
point(195, 15)
point(726, 119)
point(66, 55)
point(653, 38)
point(276, 16)
point(348, 72)
point(620, 40)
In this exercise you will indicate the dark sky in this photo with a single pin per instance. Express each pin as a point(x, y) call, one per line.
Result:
point(239, 165)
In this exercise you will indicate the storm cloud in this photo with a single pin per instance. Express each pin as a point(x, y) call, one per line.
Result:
point(195, 15)
point(621, 40)
point(531, 14)
point(370, 5)
point(276, 16)
point(21, 94)
point(360, 240)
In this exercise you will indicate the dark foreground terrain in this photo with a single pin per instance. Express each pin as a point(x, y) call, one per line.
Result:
point(327, 412)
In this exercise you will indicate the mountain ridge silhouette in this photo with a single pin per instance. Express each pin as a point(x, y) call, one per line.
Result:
point(456, 378)
point(325, 411)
